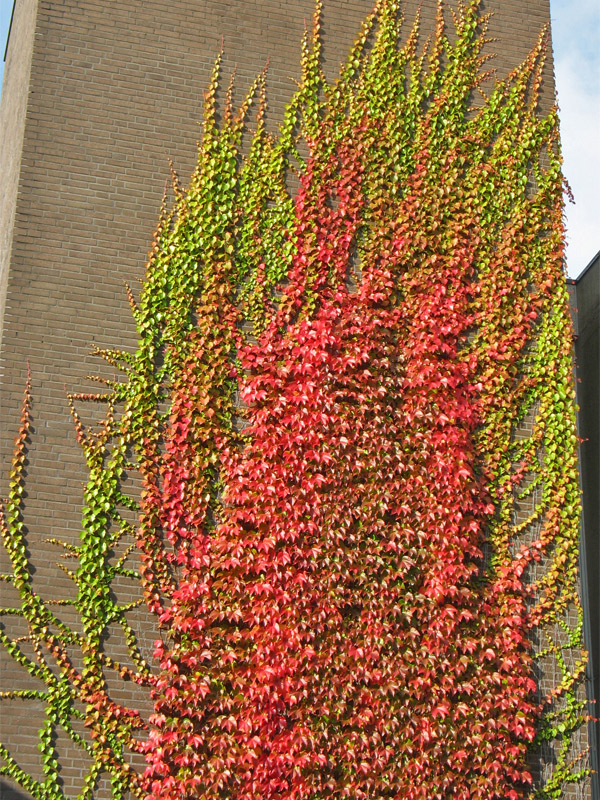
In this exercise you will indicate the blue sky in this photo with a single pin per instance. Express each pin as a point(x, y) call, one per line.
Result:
point(5, 9)
point(576, 42)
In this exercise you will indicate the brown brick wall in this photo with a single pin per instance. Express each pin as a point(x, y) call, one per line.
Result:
point(12, 126)
point(115, 88)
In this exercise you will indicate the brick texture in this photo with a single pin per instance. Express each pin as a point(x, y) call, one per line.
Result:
point(97, 96)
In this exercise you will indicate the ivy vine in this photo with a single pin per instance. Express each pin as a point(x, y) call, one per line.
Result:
point(326, 412)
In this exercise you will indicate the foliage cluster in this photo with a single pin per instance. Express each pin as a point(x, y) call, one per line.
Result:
point(345, 591)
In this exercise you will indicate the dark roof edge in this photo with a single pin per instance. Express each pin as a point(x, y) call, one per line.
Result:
point(12, 14)
point(583, 272)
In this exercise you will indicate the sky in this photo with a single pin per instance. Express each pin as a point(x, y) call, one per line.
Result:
point(576, 44)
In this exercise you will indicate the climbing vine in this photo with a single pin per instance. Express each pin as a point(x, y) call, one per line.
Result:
point(351, 417)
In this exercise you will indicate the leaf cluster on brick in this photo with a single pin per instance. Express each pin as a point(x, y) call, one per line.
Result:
point(326, 412)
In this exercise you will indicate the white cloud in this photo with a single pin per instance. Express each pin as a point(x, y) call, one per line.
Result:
point(575, 36)
point(575, 28)
point(580, 134)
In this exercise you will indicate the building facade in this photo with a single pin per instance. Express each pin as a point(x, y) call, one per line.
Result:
point(97, 96)
point(585, 304)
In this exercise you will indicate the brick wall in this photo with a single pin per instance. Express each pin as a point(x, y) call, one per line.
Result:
point(12, 124)
point(114, 89)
